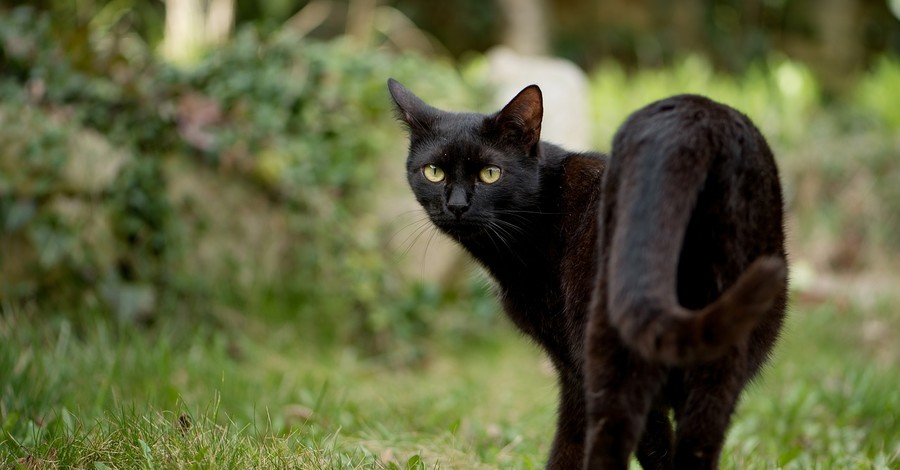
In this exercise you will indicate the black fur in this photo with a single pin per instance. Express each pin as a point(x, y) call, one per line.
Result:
point(672, 301)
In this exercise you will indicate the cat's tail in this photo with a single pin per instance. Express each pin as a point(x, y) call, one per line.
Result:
point(656, 190)
point(668, 333)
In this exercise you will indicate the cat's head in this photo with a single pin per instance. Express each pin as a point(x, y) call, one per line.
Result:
point(473, 174)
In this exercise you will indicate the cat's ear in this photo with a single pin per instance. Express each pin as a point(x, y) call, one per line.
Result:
point(520, 119)
point(410, 109)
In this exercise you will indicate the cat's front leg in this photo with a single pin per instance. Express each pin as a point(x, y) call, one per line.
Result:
point(568, 443)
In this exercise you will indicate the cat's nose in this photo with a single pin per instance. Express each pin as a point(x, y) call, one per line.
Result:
point(457, 203)
point(458, 209)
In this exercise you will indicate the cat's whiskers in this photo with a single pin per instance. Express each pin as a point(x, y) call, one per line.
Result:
point(510, 226)
point(399, 218)
point(517, 217)
point(523, 217)
point(502, 233)
point(434, 232)
point(422, 226)
point(418, 221)
point(519, 211)
point(419, 232)
point(490, 231)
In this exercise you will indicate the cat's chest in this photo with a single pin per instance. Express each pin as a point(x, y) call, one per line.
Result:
point(537, 308)
point(549, 300)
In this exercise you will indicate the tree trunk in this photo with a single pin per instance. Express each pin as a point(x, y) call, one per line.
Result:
point(526, 26)
point(841, 49)
point(192, 25)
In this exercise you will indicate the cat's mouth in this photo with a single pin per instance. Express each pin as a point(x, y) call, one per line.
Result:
point(460, 229)
point(464, 229)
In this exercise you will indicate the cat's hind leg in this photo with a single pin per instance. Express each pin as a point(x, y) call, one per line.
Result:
point(702, 419)
point(654, 450)
point(621, 387)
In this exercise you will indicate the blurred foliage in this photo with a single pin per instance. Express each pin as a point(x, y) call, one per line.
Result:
point(251, 179)
point(838, 161)
point(302, 126)
point(878, 92)
point(733, 34)
point(462, 27)
point(780, 95)
point(142, 19)
point(838, 40)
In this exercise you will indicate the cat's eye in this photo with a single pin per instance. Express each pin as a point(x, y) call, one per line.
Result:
point(433, 173)
point(489, 174)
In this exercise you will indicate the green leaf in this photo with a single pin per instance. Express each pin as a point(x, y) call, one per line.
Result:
point(415, 463)
point(147, 455)
point(19, 214)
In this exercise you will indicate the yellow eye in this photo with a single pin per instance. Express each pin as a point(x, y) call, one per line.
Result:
point(489, 174)
point(433, 173)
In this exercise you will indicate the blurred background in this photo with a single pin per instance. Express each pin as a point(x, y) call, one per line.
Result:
point(214, 164)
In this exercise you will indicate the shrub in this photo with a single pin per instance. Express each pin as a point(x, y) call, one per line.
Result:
point(278, 136)
point(878, 93)
point(837, 160)
point(780, 95)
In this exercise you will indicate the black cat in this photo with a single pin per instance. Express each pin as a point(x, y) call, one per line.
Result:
point(654, 279)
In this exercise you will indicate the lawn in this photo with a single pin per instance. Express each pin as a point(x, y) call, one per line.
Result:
point(254, 391)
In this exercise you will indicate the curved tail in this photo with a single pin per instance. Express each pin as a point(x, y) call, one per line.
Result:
point(657, 180)
point(668, 333)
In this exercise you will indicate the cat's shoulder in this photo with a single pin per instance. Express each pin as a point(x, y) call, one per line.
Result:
point(584, 165)
point(582, 176)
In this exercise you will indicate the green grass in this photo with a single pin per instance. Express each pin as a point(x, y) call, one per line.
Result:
point(251, 395)
point(831, 396)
